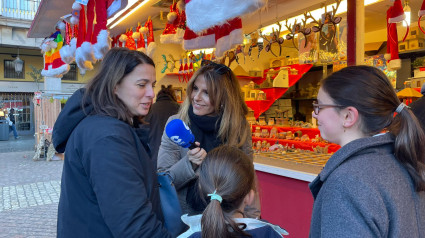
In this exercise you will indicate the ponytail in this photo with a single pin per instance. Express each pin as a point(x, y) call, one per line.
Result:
point(226, 177)
point(409, 146)
point(216, 223)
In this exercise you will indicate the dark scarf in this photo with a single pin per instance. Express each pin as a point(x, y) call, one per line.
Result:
point(205, 129)
point(142, 131)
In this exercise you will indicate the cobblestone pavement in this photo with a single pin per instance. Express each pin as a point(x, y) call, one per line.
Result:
point(29, 191)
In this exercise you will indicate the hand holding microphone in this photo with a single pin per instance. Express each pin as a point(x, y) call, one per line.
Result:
point(180, 134)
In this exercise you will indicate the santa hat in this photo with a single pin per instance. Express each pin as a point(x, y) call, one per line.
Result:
point(228, 35)
point(204, 14)
point(139, 38)
point(169, 33)
point(181, 25)
point(392, 56)
point(150, 38)
point(422, 10)
point(192, 41)
point(397, 13)
point(92, 41)
point(130, 42)
point(222, 37)
point(421, 13)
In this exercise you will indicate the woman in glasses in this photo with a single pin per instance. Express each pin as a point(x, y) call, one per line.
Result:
point(215, 110)
point(374, 186)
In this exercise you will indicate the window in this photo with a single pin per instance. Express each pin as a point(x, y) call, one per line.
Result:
point(9, 70)
point(72, 73)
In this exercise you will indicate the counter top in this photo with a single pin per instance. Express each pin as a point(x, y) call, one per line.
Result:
point(304, 172)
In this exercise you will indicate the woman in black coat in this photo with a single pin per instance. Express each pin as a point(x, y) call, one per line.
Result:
point(109, 185)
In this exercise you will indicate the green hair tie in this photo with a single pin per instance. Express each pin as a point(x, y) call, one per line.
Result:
point(215, 196)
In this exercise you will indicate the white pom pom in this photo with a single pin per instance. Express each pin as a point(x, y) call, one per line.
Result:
point(143, 30)
point(171, 17)
point(76, 6)
point(61, 25)
point(123, 38)
point(387, 56)
point(180, 5)
point(74, 20)
point(136, 35)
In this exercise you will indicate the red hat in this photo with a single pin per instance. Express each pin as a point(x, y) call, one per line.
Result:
point(204, 14)
point(169, 33)
point(397, 13)
point(422, 10)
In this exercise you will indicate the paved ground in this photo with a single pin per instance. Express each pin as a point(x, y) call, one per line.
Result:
point(29, 191)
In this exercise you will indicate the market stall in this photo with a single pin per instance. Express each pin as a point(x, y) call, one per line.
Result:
point(279, 50)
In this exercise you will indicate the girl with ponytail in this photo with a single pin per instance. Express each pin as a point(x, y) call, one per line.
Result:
point(374, 186)
point(227, 185)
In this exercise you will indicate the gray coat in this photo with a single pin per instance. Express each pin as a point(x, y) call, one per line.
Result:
point(174, 159)
point(363, 191)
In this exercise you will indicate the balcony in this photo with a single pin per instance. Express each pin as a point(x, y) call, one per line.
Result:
point(19, 9)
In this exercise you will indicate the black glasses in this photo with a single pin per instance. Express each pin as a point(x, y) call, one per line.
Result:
point(318, 106)
point(218, 68)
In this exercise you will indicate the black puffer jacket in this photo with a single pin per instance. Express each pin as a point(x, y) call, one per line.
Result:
point(109, 186)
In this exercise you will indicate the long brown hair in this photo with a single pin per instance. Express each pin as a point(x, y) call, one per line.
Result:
point(230, 172)
point(226, 96)
point(370, 92)
point(118, 63)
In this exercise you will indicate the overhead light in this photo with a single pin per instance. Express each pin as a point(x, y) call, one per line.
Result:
point(317, 14)
point(407, 13)
point(130, 4)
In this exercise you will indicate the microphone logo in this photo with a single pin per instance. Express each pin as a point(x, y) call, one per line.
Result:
point(177, 140)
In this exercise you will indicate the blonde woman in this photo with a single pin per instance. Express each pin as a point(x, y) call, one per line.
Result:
point(215, 112)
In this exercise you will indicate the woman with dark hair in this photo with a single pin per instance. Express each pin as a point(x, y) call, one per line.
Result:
point(374, 186)
point(109, 185)
point(227, 185)
point(215, 111)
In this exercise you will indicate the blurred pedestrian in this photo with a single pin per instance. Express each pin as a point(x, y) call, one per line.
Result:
point(165, 106)
point(12, 127)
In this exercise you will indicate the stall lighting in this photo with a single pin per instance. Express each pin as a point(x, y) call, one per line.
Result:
point(206, 51)
point(317, 14)
point(130, 4)
point(407, 12)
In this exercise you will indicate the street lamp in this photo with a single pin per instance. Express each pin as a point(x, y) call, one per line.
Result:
point(18, 64)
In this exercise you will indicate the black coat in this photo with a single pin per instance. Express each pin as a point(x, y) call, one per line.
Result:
point(109, 185)
point(161, 110)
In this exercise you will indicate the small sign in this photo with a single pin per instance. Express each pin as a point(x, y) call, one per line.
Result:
point(43, 127)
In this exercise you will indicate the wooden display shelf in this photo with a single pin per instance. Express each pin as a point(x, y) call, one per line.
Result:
point(257, 80)
point(304, 145)
point(311, 132)
point(272, 94)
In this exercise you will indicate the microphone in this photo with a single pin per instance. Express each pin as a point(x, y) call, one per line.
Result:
point(180, 134)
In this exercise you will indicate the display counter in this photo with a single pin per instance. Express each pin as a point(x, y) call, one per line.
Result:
point(285, 197)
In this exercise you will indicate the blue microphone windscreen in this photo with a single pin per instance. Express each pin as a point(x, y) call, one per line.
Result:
point(179, 133)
